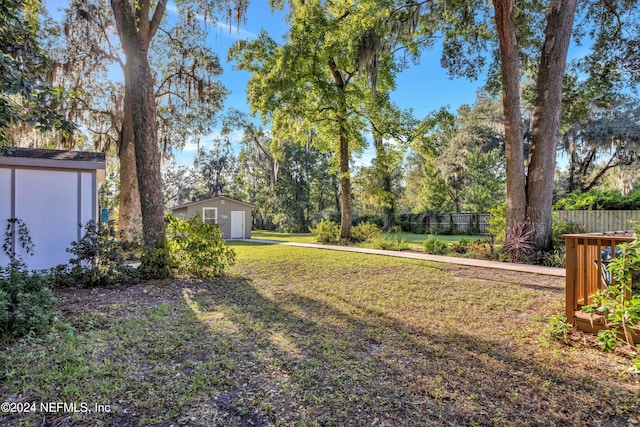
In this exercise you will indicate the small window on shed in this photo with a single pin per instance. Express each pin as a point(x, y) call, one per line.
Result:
point(210, 215)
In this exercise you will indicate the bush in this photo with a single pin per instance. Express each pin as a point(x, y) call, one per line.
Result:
point(479, 249)
point(98, 260)
point(365, 231)
point(373, 219)
point(498, 222)
point(26, 302)
point(560, 227)
point(459, 247)
point(155, 264)
point(599, 200)
point(435, 247)
point(326, 232)
point(195, 248)
point(390, 243)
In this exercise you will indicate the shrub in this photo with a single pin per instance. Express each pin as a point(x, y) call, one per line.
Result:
point(390, 243)
point(498, 222)
point(98, 260)
point(365, 231)
point(435, 247)
point(155, 264)
point(372, 219)
point(326, 232)
point(599, 200)
point(442, 230)
point(195, 248)
point(480, 249)
point(556, 258)
point(26, 302)
point(459, 247)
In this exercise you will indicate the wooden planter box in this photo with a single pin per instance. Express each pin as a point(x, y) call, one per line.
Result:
point(586, 273)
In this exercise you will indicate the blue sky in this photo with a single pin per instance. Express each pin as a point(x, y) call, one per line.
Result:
point(423, 87)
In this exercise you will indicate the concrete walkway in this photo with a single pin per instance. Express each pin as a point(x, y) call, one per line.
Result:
point(525, 268)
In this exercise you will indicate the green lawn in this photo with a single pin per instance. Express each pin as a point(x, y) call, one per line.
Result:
point(415, 241)
point(297, 336)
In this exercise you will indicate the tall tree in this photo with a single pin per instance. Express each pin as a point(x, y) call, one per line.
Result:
point(335, 56)
point(521, 48)
point(306, 86)
point(185, 94)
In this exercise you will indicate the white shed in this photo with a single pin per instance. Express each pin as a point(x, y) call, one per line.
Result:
point(54, 193)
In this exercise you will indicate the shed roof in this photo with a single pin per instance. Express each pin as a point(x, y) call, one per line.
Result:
point(211, 198)
point(37, 157)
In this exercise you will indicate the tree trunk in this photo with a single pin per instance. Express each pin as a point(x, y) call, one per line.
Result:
point(136, 31)
point(546, 120)
point(146, 150)
point(345, 183)
point(129, 220)
point(514, 139)
point(343, 152)
point(384, 176)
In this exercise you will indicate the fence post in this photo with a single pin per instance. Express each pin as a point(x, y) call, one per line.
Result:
point(570, 281)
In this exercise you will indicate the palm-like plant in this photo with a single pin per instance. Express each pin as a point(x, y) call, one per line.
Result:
point(518, 243)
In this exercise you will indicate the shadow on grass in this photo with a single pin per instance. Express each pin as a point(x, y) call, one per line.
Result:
point(306, 361)
point(232, 352)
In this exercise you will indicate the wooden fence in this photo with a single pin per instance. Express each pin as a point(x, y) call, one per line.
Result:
point(601, 221)
point(461, 223)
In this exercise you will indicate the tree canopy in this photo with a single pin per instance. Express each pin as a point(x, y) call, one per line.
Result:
point(26, 95)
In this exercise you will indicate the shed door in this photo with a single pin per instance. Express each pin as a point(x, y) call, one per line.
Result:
point(237, 224)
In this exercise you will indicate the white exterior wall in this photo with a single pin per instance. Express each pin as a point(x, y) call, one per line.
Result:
point(53, 204)
point(5, 209)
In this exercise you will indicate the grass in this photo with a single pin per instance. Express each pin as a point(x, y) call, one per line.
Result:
point(297, 336)
point(414, 241)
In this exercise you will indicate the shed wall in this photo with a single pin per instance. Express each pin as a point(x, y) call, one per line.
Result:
point(54, 205)
point(5, 207)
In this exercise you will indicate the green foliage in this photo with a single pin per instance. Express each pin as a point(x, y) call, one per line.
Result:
point(97, 261)
point(459, 247)
point(459, 162)
point(599, 200)
point(26, 301)
point(365, 231)
point(373, 219)
point(559, 328)
point(498, 222)
point(16, 230)
point(390, 243)
point(326, 231)
point(435, 247)
point(619, 307)
point(556, 258)
point(196, 248)
point(155, 264)
point(608, 339)
point(25, 94)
